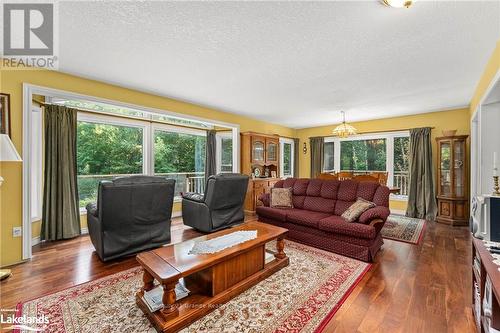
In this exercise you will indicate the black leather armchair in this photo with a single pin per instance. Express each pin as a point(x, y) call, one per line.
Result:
point(221, 205)
point(132, 214)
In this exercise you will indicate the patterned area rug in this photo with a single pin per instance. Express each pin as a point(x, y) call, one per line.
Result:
point(302, 297)
point(403, 229)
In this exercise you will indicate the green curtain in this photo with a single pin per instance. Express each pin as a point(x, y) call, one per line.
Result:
point(421, 196)
point(210, 157)
point(296, 158)
point(61, 214)
point(317, 147)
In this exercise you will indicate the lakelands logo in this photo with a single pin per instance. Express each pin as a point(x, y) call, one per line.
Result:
point(28, 35)
point(24, 322)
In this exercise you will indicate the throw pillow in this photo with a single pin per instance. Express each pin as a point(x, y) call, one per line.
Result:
point(359, 207)
point(281, 197)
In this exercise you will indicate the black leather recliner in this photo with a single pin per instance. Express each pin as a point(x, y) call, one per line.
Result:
point(132, 214)
point(221, 205)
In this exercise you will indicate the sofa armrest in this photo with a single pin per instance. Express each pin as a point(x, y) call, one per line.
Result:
point(196, 197)
point(265, 198)
point(92, 209)
point(375, 213)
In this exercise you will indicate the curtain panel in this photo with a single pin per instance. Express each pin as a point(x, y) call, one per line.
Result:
point(210, 157)
point(61, 214)
point(317, 152)
point(421, 195)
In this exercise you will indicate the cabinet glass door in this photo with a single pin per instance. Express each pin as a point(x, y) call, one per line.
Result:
point(258, 151)
point(272, 151)
point(458, 166)
point(445, 168)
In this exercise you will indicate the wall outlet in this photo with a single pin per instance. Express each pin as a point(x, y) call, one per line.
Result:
point(17, 232)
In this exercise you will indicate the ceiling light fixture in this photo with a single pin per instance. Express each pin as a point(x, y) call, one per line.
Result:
point(344, 130)
point(398, 3)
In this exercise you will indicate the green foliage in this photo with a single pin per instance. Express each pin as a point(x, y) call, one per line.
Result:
point(287, 158)
point(401, 153)
point(178, 152)
point(108, 149)
point(363, 155)
point(227, 154)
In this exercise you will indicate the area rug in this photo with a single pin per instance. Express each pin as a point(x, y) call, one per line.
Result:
point(302, 297)
point(403, 229)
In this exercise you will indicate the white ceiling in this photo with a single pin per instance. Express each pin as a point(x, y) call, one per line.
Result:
point(292, 63)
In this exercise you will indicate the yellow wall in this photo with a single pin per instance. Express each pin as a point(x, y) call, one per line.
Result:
point(453, 119)
point(11, 82)
point(491, 69)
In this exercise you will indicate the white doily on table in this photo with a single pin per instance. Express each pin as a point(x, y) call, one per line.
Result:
point(223, 242)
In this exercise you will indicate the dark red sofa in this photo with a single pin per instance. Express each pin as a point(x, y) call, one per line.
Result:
point(316, 217)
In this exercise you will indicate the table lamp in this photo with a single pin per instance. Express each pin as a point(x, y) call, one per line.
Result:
point(8, 153)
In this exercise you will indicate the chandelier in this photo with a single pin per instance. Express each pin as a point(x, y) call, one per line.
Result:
point(344, 130)
point(398, 3)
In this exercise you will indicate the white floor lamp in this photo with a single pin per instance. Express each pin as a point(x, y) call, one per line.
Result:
point(8, 153)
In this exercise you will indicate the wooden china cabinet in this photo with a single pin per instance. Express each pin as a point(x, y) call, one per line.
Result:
point(452, 176)
point(260, 157)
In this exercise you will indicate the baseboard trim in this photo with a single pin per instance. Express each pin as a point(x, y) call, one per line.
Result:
point(36, 240)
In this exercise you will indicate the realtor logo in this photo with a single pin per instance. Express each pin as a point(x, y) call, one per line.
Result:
point(28, 29)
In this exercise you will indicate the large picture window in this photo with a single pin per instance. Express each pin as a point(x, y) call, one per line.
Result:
point(364, 154)
point(106, 151)
point(180, 156)
point(224, 152)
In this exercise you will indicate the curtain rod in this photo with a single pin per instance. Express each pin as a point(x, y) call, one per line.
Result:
point(135, 118)
point(371, 132)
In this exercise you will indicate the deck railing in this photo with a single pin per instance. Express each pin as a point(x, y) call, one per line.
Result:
point(184, 182)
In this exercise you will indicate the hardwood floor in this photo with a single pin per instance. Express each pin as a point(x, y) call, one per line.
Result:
point(410, 288)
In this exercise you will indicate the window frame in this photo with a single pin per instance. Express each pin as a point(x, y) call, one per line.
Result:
point(218, 150)
point(389, 146)
point(36, 166)
point(284, 141)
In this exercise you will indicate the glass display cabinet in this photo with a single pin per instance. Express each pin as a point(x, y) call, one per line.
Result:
point(452, 195)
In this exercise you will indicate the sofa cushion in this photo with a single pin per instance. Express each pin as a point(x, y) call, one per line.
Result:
point(337, 224)
point(381, 196)
point(319, 204)
point(288, 182)
point(305, 217)
point(341, 206)
point(359, 207)
point(298, 201)
point(366, 190)
point(348, 190)
point(330, 188)
point(314, 188)
point(300, 186)
point(272, 213)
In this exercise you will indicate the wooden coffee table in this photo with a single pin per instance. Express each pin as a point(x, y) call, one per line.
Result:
point(212, 279)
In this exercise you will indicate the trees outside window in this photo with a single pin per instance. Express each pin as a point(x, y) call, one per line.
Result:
point(363, 155)
point(226, 163)
point(329, 161)
point(103, 152)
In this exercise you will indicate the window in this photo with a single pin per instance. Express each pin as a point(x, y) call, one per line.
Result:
point(105, 151)
point(329, 162)
point(363, 155)
point(286, 157)
point(224, 151)
point(401, 163)
point(180, 155)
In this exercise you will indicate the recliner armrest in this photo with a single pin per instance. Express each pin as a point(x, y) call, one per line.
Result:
point(92, 209)
point(197, 197)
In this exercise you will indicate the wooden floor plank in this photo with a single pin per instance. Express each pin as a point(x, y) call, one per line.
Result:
point(409, 288)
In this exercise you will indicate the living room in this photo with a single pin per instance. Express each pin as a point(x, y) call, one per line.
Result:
point(250, 166)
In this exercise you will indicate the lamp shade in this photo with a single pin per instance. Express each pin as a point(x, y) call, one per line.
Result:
point(8, 152)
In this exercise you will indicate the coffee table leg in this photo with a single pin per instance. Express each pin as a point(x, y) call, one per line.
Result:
point(280, 246)
point(147, 280)
point(169, 308)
